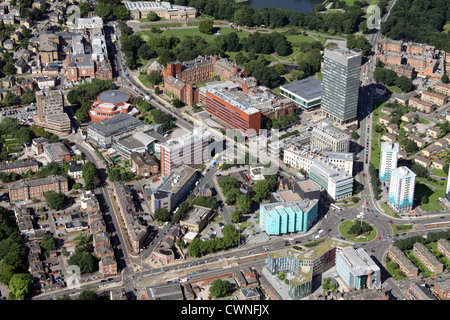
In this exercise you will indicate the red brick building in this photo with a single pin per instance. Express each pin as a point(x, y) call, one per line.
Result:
point(25, 190)
point(226, 108)
point(20, 167)
point(80, 67)
point(179, 77)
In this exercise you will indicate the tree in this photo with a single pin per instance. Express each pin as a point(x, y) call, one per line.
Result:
point(48, 243)
point(445, 168)
point(206, 26)
point(87, 295)
point(20, 285)
point(354, 135)
point(104, 11)
point(419, 170)
point(411, 146)
point(121, 12)
point(54, 200)
point(244, 203)
point(85, 7)
point(90, 175)
point(261, 191)
point(219, 288)
point(236, 216)
point(154, 77)
point(231, 196)
point(404, 83)
point(162, 214)
point(152, 16)
point(85, 261)
point(10, 99)
point(9, 68)
point(445, 78)
point(424, 199)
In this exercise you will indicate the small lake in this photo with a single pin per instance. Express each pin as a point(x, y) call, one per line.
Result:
point(304, 6)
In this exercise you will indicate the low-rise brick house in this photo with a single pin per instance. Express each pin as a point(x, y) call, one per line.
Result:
point(384, 120)
point(442, 142)
point(249, 294)
point(144, 163)
point(419, 105)
point(409, 127)
point(438, 164)
point(443, 88)
point(392, 128)
point(418, 140)
point(431, 149)
point(387, 110)
point(442, 289)
point(435, 98)
point(409, 117)
point(406, 266)
point(388, 137)
point(434, 132)
point(421, 160)
point(417, 292)
point(20, 167)
point(107, 266)
point(444, 247)
point(427, 258)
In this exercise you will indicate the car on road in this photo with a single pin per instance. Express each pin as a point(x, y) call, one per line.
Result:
point(390, 221)
point(379, 238)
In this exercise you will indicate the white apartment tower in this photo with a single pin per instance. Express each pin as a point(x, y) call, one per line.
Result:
point(388, 160)
point(401, 189)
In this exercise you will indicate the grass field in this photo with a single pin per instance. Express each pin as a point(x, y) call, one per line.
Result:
point(180, 33)
point(388, 211)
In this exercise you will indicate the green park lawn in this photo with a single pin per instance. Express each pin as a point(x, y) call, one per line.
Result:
point(388, 211)
point(180, 33)
point(400, 228)
point(433, 196)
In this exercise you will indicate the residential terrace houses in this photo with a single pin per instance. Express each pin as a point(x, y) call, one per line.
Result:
point(419, 105)
point(443, 88)
point(137, 232)
point(434, 98)
point(427, 258)
point(20, 167)
point(406, 266)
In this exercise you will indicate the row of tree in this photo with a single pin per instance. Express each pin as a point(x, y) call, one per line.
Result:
point(230, 239)
point(336, 22)
point(408, 243)
point(390, 78)
point(419, 21)
point(13, 258)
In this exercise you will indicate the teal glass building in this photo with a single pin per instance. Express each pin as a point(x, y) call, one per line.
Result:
point(287, 217)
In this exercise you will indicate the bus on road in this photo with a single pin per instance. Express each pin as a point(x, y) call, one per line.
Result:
point(335, 207)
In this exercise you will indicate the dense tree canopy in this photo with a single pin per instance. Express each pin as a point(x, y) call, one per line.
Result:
point(90, 175)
